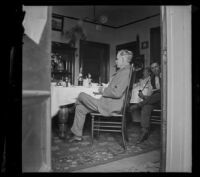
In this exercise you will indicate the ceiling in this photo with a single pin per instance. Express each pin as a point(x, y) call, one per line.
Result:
point(117, 15)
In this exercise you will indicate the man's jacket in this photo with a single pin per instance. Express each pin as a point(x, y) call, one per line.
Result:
point(113, 96)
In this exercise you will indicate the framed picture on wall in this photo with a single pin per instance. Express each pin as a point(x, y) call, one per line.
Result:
point(145, 45)
point(57, 22)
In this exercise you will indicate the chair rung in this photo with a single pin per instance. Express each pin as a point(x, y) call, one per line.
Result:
point(156, 122)
point(156, 110)
point(155, 116)
point(98, 114)
point(107, 122)
point(105, 130)
point(155, 119)
point(95, 114)
point(107, 126)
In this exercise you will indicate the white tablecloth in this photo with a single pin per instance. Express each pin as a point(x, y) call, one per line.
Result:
point(67, 95)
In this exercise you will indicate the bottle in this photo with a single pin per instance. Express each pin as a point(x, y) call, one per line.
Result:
point(80, 78)
point(67, 81)
point(100, 84)
point(89, 80)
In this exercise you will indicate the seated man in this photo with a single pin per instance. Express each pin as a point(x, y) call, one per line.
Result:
point(149, 102)
point(144, 84)
point(112, 98)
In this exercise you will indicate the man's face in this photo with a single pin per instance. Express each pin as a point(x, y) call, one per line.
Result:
point(119, 61)
point(155, 68)
point(146, 73)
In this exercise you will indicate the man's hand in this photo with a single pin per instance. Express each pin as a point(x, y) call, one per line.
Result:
point(140, 94)
point(97, 93)
point(100, 89)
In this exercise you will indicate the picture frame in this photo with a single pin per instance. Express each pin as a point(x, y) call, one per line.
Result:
point(144, 45)
point(57, 22)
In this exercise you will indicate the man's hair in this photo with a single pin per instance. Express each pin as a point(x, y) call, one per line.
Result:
point(155, 62)
point(127, 53)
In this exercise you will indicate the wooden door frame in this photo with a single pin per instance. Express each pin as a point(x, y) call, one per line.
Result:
point(163, 34)
point(176, 153)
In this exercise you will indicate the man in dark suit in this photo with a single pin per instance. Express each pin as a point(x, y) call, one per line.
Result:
point(149, 102)
point(112, 98)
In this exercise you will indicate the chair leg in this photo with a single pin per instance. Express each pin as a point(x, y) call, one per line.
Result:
point(92, 129)
point(98, 126)
point(126, 136)
point(123, 135)
point(123, 138)
point(125, 132)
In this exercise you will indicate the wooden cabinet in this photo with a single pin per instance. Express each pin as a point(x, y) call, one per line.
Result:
point(66, 53)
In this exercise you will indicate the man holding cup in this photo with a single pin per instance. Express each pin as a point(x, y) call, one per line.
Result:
point(149, 102)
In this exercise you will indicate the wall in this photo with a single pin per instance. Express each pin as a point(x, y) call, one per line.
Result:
point(110, 36)
point(106, 36)
point(128, 34)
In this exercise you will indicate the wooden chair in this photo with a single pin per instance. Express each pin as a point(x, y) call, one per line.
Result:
point(156, 115)
point(115, 123)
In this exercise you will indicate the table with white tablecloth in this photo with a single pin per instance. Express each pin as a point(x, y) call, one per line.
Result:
point(61, 96)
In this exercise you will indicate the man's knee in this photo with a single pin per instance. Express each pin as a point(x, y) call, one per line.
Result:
point(81, 96)
point(146, 109)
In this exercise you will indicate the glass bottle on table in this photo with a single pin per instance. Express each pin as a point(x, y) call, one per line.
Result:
point(100, 83)
point(80, 78)
point(89, 80)
point(67, 81)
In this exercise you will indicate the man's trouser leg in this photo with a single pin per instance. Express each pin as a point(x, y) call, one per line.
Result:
point(151, 100)
point(85, 104)
point(145, 116)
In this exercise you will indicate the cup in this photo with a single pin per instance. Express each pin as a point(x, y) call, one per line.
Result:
point(100, 89)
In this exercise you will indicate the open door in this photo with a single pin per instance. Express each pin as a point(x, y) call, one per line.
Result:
point(36, 72)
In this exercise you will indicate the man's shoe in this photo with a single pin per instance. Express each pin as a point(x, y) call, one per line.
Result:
point(75, 139)
point(69, 134)
point(144, 135)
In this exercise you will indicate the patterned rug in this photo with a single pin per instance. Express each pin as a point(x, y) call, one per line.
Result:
point(68, 157)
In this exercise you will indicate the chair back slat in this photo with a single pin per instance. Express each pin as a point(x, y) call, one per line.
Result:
point(128, 92)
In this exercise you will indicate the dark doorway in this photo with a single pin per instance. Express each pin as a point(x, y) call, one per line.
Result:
point(94, 59)
point(155, 45)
